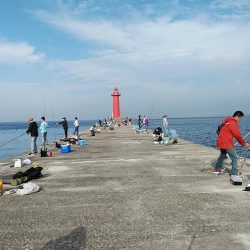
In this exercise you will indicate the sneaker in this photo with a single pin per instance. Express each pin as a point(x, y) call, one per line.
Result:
point(216, 171)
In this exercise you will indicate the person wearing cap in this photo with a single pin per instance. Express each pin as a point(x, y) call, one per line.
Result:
point(76, 125)
point(65, 126)
point(33, 130)
point(43, 128)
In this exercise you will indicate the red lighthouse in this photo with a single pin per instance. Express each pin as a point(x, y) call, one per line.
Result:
point(116, 104)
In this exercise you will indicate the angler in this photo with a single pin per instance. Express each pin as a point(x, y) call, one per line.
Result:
point(227, 133)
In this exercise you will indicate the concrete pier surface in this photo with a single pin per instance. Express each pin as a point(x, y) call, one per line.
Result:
point(121, 191)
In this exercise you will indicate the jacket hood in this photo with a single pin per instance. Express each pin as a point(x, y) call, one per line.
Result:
point(229, 119)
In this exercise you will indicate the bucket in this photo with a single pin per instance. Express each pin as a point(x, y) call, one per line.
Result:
point(82, 142)
point(18, 163)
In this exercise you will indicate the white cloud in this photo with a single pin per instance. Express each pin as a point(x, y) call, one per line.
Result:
point(159, 46)
point(160, 38)
point(233, 4)
point(100, 31)
point(18, 53)
point(182, 63)
point(237, 10)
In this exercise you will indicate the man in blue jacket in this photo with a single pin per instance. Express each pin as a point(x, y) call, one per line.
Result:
point(43, 127)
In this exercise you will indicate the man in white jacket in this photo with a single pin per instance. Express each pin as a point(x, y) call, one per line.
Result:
point(76, 125)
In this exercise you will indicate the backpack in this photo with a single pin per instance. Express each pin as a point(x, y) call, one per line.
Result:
point(219, 128)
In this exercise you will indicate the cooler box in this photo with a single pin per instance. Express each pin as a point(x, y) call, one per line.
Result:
point(82, 142)
point(65, 149)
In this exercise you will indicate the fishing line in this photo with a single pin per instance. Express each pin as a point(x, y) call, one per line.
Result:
point(11, 140)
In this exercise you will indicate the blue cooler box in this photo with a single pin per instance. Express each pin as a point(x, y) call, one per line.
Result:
point(65, 149)
point(82, 142)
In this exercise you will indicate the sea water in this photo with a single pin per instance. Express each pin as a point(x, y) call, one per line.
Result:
point(12, 130)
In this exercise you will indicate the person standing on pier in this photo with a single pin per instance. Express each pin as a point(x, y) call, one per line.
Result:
point(33, 130)
point(165, 125)
point(139, 122)
point(65, 126)
point(145, 122)
point(43, 127)
point(229, 129)
point(76, 125)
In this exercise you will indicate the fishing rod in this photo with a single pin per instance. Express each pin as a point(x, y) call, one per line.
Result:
point(54, 124)
point(242, 153)
point(44, 104)
point(243, 138)
point(243, 159)
point(152, 108)
point(11, 140)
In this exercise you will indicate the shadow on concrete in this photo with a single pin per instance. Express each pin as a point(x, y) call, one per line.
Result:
point(75, 240)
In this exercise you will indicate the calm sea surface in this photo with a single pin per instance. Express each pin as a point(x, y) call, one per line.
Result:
point(197, 130)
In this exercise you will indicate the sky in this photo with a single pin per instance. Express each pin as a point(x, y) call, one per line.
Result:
point(183, 58)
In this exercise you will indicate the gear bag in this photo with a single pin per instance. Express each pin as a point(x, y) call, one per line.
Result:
point(22, 177)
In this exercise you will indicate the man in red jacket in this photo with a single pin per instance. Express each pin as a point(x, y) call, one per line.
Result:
point(229, 130)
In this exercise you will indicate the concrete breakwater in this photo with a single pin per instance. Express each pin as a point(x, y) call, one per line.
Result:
point(121, 191)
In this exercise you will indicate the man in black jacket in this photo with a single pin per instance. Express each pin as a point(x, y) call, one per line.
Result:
point(65, 126)
point(33, 130)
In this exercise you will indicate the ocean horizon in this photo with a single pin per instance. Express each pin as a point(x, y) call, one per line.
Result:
point(133, 118)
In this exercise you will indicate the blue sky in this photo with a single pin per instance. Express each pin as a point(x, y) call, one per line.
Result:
point(183, 58)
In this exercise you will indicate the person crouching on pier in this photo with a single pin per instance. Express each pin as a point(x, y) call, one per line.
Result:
point(92, 130)
point(158, 134)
